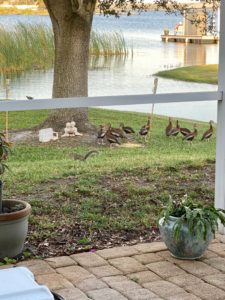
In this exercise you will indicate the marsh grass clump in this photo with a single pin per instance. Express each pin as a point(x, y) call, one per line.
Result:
point(108, 44)
point(31, 46)
point(26, 46)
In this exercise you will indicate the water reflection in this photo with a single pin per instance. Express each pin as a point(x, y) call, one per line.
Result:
point(107, 62)
point(193, 57)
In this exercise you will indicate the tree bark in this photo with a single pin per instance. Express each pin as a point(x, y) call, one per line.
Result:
point(72, 23)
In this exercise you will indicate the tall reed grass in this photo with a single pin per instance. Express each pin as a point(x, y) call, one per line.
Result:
point(108, 44)
point(26, 46)
point(31, 46)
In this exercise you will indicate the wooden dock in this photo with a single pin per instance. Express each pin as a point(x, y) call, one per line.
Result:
point(194, 39)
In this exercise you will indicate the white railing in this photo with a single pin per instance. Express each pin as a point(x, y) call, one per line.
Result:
point(37, 104)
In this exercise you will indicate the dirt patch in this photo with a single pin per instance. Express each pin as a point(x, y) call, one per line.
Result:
point(131, 145)
point(22, 136)
point(32, 137)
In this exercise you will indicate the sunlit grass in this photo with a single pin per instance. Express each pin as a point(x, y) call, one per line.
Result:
point(203, 74)
point(32, 164)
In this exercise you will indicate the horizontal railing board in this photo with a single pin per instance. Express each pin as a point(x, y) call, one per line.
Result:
point(36, 104)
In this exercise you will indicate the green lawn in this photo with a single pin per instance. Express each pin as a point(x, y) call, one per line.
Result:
point(203, 74)
point(115, 195)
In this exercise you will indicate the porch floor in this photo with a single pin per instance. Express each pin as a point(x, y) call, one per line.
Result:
point(139, 272)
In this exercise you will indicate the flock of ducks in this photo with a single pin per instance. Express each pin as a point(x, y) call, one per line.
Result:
point(114, 135)
point(188, 135)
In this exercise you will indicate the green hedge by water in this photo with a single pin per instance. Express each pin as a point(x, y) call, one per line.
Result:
point(31, 46)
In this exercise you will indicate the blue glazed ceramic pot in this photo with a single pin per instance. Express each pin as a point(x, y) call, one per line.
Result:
point(188, 246)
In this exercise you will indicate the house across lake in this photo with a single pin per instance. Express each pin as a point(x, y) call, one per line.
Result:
point(193, 30)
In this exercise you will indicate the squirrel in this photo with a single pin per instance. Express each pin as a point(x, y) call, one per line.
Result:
point(83, 158)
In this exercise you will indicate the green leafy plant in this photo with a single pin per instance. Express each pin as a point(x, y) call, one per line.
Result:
point(4, 153)
point(166, 31)
point(199, 218)
point(7, 261)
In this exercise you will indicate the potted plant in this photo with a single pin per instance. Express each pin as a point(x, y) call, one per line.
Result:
point(187, 227)
point(166, 31)
point(13, 213)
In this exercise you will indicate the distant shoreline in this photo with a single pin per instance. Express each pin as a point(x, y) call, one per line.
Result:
point(31, 10)
point(18, 11)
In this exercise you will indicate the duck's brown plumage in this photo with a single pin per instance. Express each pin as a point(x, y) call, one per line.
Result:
point(169, 127)
point(112, 139)
point(145, 129)
point(192, 135)
point(117, 132)
point(174, 131)
point(208, 133)
point(184, 131)
point(127, 129)
point(102, 132)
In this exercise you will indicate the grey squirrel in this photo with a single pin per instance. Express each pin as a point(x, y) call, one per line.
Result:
point(81, 157)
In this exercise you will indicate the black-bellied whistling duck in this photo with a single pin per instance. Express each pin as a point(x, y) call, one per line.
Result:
point(112, 139)
point(169, 127)
point(208, 133)
point(118, 132)
point(174, 131)
point(102, 132)
point(145, 129)
point(127, 129)
point(192, 135)
point(184, 131)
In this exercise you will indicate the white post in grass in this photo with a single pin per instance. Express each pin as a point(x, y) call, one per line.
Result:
point(220, 143)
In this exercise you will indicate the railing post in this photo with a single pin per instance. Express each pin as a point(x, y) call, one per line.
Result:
point(220, 143)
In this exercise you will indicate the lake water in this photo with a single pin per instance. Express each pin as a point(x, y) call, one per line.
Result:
point(135, 74)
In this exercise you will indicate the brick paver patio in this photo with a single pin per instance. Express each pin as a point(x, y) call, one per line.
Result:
point(139, 272)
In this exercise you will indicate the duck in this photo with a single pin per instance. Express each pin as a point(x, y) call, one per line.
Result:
point(208, 133)
point(118, 132)
point(112, 139)
point(184, 131)
point(127, 129)
point(101, 133)
point(145, 129)
point(169, 127)
point(174, 131)
point(191, 135)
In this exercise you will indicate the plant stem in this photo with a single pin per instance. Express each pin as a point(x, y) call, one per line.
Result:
point(1, 188)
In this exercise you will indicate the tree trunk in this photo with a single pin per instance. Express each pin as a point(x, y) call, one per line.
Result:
point(72, 36)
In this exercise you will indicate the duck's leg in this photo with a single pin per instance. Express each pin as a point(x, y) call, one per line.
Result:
point(146, 136)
